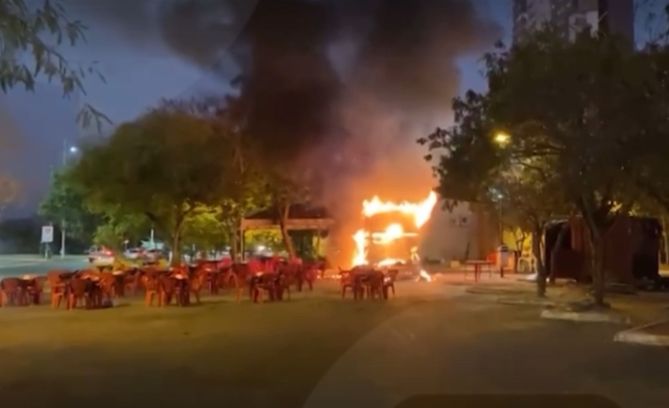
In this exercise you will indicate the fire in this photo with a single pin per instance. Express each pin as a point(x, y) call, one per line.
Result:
point(360, 238)
point(393, 232)
point(390, 262)
point(420, 212)
point(424, 275)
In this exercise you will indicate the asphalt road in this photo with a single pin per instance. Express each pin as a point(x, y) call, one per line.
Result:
point(468, 348)
point(15, 265)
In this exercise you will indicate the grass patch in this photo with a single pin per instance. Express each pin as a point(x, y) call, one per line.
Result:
point(219, 352)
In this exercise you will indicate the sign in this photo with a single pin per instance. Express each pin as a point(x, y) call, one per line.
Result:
point(47, 234)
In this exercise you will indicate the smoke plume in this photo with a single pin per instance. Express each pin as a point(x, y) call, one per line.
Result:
point(340, 89)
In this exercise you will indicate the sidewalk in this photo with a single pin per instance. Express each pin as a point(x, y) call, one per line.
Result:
point(13, 265)
point(654, 334)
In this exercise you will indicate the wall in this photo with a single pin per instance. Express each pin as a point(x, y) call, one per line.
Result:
point(463, 232)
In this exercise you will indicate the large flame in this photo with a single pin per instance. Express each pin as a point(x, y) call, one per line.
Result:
point(420, 212)
point(360, 256)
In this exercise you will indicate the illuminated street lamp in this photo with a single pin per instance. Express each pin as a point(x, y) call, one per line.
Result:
point(502, 139)
point(497, 197)
point(71, 150)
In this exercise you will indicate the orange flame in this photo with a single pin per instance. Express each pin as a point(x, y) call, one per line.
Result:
point(360, 239)
point(420, 212)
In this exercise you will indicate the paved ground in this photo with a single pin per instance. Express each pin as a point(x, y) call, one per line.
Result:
point(320, 351)
point(468, 344)
point(14, 265)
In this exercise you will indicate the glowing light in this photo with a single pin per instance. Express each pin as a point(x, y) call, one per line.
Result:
point(420, 212)
point(390, 262)
point(392, 233)
point(360, 255)
point(502, 138)
point(426, 276)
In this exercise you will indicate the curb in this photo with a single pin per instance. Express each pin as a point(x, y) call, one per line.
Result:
point(526, 302)
point(586, 317)
point(482, 290)
point(639, 335)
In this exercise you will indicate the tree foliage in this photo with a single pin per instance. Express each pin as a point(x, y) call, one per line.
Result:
point(30, 37)
point(205, 229)
point(166, 165)
point(246, 188)
point(584, 123)
point(275, 143)
point(65, 206)
point(118, 226)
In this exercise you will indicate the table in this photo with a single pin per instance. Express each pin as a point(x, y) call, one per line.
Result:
point(478, 264)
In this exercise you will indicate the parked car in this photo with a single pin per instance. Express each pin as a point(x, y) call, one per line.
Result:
point(133, 253)
point(100, 256)
point(152, 255)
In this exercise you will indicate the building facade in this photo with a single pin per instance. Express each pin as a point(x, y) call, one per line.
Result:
point(572, 16)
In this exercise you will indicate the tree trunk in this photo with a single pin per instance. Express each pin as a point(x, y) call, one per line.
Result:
point(665, 234)
point(539, 264)
point(235, 235)
point(596, 232)
point(556, 248)
point(287, 241)
point(176, 248)
point(234, 243)
point(520, 244)
point(597, 265)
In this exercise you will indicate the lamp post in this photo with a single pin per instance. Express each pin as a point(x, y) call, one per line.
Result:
point(67, 150)
point(501, 139)
point(500, 197)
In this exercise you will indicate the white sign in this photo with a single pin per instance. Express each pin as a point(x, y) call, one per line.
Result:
point(47, 234)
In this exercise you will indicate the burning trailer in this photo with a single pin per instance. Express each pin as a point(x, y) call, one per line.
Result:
point(389, 236)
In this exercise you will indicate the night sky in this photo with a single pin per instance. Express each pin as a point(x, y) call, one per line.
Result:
point(139, 71)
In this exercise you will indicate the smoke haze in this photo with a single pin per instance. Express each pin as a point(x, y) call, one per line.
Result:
point(340, 89)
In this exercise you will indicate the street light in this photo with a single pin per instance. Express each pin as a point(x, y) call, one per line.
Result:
point(498, 198)
point(502, 138)
point(71, 150)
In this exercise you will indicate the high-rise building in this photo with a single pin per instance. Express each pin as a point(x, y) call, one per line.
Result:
point(572, 16)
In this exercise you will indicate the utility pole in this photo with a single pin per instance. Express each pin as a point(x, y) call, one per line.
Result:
point(501, 225)
point(62, 220)
point(67, 150)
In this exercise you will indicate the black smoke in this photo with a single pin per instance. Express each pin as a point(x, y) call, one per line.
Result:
point(317, 71)
point(337, 89)
point(303, 91)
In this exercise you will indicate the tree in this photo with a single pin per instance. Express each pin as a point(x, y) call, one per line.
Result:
point(246, 187)
point(65, 206)
point(562, 103)
point(533, 197)
point(166, 165)
point(652, 178)
point(204, 230)
point(285, 190)
point(118, 227)
point(476, 165)
point(271, 239)
point(30, 37)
